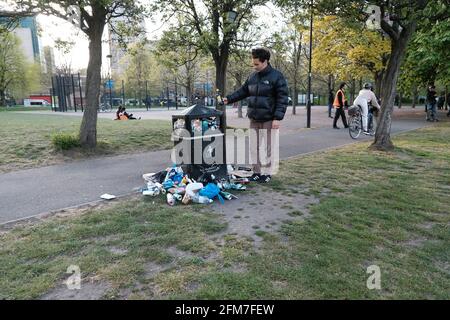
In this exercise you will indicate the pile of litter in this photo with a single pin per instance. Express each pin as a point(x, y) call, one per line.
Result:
point(179, 187)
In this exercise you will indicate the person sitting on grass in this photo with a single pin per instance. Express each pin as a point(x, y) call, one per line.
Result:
point(129, 115)
point(121, 114)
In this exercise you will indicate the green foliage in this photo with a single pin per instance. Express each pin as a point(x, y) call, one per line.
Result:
point(428, 56)
point(65, 141)
point(13, 67)
point(142, 67)
point(208, 28)
point(348, 52)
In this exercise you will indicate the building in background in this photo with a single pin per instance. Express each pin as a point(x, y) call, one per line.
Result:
point(27, 32)
point(118, 55)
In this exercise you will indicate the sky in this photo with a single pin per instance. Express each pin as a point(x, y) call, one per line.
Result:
point(54, 28)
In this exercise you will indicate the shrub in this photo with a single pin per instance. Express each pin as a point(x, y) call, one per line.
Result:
point(65, 141)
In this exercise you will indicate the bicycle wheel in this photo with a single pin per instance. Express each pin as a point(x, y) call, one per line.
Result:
point(354, 126)
point(104, 107)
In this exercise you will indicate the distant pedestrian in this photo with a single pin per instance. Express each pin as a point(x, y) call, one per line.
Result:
point(330, 102)
point(431, 104)
point(339, 103)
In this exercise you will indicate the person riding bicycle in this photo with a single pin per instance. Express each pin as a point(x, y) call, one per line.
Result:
point(366, 97)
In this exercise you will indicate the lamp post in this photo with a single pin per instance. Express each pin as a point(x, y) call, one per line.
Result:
point(231, 16)
point(308, 105)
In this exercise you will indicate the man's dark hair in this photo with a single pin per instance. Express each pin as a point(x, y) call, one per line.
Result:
point(342, 85)
point(261, 54)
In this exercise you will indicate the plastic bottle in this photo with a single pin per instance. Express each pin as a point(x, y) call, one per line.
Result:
point(170, 199)
point(201, 199)
point(177, 196)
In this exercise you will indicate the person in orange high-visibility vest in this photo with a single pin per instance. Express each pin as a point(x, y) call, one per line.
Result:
point(339, 102)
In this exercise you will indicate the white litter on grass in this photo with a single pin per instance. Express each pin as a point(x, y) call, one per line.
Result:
point(107, 196)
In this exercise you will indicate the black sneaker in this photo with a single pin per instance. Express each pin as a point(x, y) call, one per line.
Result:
point(265, 179)
point(255, 177)
point(337, 128)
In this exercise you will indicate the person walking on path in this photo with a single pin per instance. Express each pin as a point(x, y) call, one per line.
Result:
point(267, 91)
point(339, 103)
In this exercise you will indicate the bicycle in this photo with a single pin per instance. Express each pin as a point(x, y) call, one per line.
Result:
point(105, 107)
point(355, 126)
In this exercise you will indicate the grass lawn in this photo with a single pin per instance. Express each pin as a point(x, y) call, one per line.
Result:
point(22, 108)
point(26, 138)
point(390, 210)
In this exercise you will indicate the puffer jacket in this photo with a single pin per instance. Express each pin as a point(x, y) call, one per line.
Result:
point(267, 94)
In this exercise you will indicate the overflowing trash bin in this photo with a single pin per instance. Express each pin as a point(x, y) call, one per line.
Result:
point(199, 173)
point(199, 142)
point(177, 186)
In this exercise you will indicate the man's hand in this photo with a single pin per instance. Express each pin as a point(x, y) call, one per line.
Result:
point(225, 101)
point(275, 124)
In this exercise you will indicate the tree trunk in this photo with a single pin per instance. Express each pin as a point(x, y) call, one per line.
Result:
point(446, 103)
point(414, 99)
point(238, 85)
point(221, 76)
point(295, 97)
point(378, 81)
point(221, 62)
point(188, 94)
point(352, 92)
point(388, 89)
point(88, 129)
point(2, 98)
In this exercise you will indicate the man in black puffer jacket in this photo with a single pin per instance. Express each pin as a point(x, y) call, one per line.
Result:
point(267, 93)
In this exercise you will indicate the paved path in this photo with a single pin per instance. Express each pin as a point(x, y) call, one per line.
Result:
point(30, 192)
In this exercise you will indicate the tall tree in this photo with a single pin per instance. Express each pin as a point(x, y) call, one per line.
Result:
point(183, 62)
point(287, 47)
point(214, 32)
point(12, 65)
point(91, 16)
point(239, 69)
point(428, 56)
point(349, 51)
point(139, 69)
